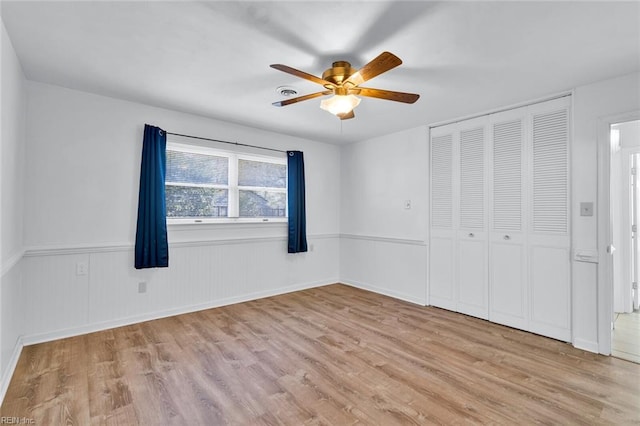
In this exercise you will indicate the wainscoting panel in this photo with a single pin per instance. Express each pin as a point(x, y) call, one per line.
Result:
point(394, 267)
point(56, 297)
point(550, 299)
point(203, 274)
point(11, 320)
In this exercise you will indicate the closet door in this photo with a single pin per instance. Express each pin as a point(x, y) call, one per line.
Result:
point(549, 240)
point(442, 291)
point(472, 258)
point(508, 256)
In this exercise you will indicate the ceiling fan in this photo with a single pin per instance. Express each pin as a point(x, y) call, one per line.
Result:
point(344, 83)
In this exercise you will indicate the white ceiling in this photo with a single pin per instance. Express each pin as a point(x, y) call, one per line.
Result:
point(212, 58)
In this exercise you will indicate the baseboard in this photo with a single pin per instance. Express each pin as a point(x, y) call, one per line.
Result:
point(105, 325)
point(385, 292)
point(11, 367)
point(586, 345)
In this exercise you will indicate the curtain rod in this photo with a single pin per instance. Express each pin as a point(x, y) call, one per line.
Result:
point(221, 141)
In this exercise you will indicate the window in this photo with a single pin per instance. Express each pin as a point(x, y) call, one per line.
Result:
point(207, 185)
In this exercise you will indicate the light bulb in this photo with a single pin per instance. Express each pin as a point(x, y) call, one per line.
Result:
point(340, 104)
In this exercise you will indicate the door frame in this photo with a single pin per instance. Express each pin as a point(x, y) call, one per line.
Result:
point(627, 222)
point(605, 261)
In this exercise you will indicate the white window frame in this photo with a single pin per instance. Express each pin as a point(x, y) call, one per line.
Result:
point(233, 209)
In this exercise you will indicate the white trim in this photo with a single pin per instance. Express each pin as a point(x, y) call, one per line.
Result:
point(384, 239)
point(502, 109)
point(65, 249)
point(255, 221)
point(604, 284)
point(10, 369)
point(427, 223)
point(105, 325)
point(586, 345)
point(205, 149)
point(58, 250)
point(177, 224)
point(12, 261)
point(384, 292)
point(626, 245)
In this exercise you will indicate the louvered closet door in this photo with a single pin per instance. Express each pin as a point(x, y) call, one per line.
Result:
point(442, 234)
point(472, 236)
point(549, 241)
point(508, 262)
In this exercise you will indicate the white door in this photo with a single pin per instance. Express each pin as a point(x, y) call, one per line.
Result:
point(624, 214)
point(499, 234)
point(508, 267)
point(472, 255)
point(442, 291)
point(548, 236)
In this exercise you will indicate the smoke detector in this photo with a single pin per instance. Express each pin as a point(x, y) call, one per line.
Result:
point(286, 91)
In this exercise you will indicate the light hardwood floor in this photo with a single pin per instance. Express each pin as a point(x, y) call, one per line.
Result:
point(625, 342)
point(333, 355)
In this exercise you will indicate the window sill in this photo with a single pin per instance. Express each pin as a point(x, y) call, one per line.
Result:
point(227, 221)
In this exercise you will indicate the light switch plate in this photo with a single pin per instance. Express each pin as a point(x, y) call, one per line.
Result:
point(82, 268)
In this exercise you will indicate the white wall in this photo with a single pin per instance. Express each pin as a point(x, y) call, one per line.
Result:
point(84, 155)
point(383, 244)
point(82, 179)
point(591, 103)
point(12, 124)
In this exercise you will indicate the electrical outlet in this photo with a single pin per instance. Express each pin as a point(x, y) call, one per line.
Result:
point(586, 209)
point(82, 268)
point(142, 287)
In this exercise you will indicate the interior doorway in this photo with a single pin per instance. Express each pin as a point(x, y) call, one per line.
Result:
point(625, 223)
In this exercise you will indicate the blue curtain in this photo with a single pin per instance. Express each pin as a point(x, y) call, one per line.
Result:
point(295, 200)
point(152, 248)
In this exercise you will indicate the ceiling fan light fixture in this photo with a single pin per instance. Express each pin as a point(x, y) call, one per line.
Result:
point(344, 83)
point(340, 104)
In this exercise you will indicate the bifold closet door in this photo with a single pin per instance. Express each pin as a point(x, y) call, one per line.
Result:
point(549, 239)
point(508, 256)
point(442, 240)
point(458, 242)
point(472, 258)
point(499, 234)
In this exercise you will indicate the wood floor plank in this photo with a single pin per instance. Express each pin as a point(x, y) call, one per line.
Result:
point(333, 355)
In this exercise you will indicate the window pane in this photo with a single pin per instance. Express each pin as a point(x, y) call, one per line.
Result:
point(258, 173)
point(187, 167)
point(262, 204)
point(185, 201)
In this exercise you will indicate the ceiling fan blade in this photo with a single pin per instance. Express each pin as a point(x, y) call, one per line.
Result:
point(389, 95)
point(382, 63)
point(347, 115)
point(302, 74)
point(286, 102)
